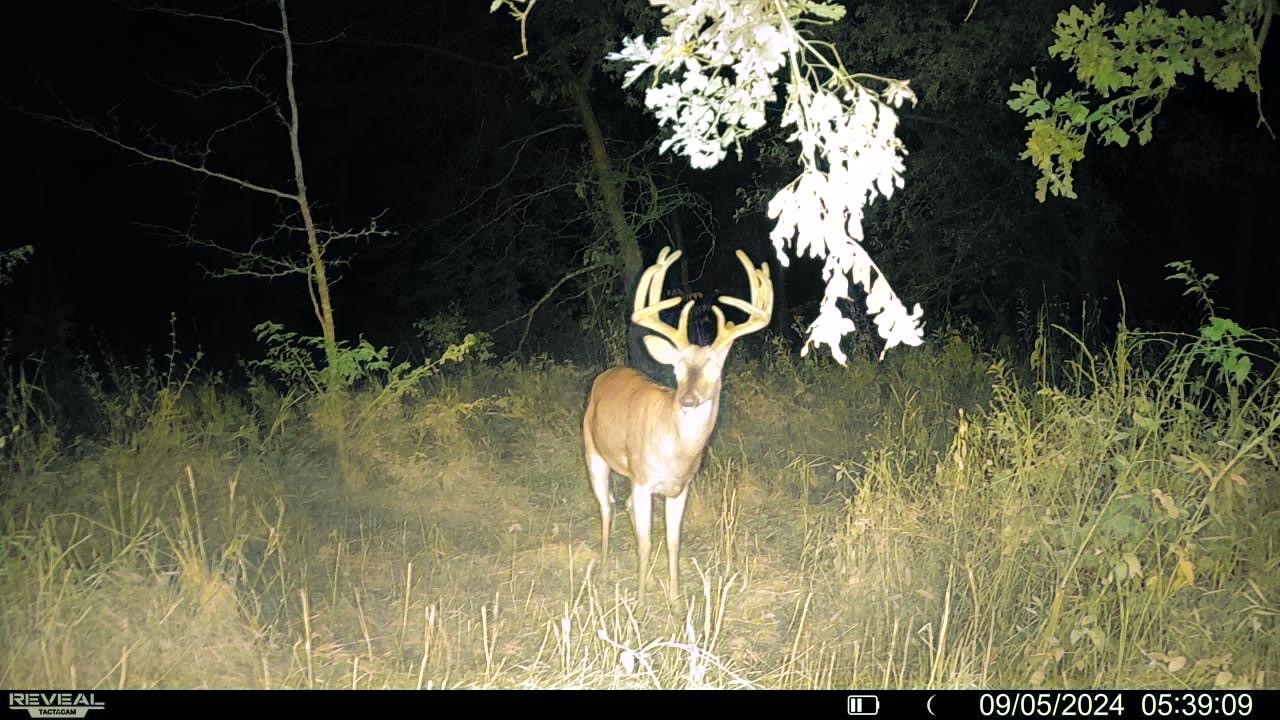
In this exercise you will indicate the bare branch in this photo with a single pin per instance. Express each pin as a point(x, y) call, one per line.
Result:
point(340, 35)
point(522, 16)
point(1269, 9)
point(528, 316)
point(225, 84)
point(86, 127)
point(522, 143)
point(187, 14)
point(254, 262)
point(208, 145)
point(369, 230)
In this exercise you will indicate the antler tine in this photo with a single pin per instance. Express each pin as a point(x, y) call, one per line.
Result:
point(759, 310)
point(649, 301)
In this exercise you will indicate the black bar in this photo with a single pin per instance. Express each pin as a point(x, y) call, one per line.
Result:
point(111, 704)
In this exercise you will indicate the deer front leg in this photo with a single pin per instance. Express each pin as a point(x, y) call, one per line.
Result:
point(675, 514)
point(642, 517)
point(598, 469)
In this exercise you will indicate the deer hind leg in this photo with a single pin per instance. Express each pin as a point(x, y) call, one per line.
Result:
point(675, 514)
point(642, 519)
point(598, 469)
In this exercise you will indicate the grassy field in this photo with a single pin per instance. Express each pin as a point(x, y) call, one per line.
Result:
point(941, 519)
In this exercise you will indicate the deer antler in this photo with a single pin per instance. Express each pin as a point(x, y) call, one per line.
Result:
point(758, 311)
point(649, 301)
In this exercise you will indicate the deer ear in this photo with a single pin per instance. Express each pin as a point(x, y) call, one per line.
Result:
point(661, 350)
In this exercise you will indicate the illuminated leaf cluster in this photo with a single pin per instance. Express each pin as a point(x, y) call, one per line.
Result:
point(714, 73)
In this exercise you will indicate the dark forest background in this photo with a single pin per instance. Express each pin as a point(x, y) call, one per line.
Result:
point(414, 112)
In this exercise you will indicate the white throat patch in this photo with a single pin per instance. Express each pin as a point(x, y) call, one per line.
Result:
point(695, 418)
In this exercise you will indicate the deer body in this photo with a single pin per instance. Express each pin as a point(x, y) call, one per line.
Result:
point(655, 435)
point(665, 466)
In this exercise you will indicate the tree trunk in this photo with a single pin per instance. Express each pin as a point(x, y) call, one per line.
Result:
point(610, 185)
point(332, 405)
point(615, 211)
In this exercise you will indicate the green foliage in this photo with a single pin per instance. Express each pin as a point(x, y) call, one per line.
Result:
point(12, 258)
point(296, 359)
point(1220, 340)
point(445, 336)
point(1197, 284)
point(1223, 347)
point(1220, 344)
point(1127, 70)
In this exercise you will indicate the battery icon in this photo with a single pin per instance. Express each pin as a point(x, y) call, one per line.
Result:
point(864, 705)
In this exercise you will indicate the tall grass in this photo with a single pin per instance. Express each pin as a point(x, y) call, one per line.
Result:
point(941, 519)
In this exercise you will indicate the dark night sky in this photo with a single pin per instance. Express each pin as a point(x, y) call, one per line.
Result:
point(411, 108)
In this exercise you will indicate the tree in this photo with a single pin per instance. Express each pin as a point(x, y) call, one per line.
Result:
point(313, 258)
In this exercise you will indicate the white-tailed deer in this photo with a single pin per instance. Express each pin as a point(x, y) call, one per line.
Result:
point(655, 435)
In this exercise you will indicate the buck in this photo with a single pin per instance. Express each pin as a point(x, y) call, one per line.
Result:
point(655, 435)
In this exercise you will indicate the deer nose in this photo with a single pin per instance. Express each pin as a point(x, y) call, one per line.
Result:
point(690, 400)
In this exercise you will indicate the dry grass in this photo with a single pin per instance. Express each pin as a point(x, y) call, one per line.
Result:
point(1113, 525)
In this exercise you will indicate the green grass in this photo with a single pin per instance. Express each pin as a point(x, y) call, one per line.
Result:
point(936, 520)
